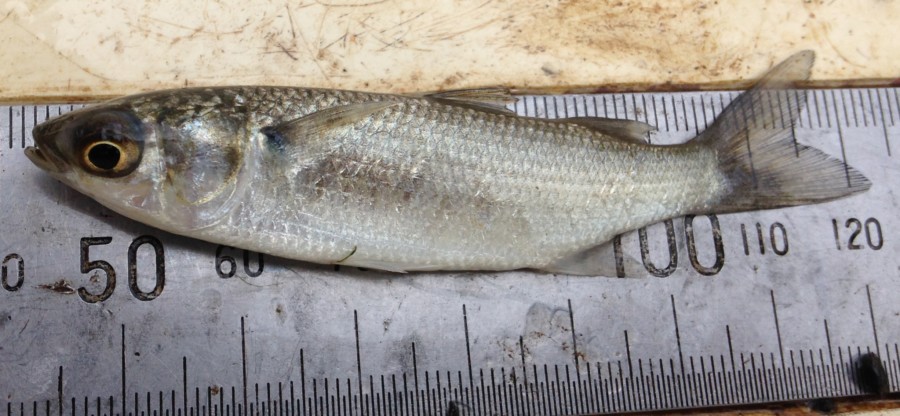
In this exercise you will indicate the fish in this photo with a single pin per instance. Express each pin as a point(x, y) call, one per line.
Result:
point(451, 180)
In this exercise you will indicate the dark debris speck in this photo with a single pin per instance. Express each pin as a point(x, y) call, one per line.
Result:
point(870, 374)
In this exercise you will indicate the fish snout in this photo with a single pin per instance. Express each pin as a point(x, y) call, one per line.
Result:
point(45, 133)
point(39, 131)
point(45, 154)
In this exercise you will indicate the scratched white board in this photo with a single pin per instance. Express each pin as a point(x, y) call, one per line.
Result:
point(83, 50)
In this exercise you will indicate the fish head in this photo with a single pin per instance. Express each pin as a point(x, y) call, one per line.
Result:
point(101, 151)
point(173, 159)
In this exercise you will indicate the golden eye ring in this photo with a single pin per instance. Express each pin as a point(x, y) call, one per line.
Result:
point(105, 157)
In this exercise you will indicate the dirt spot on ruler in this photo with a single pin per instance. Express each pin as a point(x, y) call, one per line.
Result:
point(62, 286)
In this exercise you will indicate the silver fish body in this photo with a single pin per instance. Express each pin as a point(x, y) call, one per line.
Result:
point(406, 183)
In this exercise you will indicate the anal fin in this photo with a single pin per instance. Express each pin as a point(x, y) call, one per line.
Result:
point(599, 260)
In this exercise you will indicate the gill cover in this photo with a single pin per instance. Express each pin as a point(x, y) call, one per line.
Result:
point(205, 162)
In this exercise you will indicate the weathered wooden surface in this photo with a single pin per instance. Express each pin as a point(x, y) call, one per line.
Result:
point(91, 49)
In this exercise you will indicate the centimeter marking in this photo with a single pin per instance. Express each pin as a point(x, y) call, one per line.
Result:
point(693, 112)
point(688, 112)
point(735, 378)
point(20, 119)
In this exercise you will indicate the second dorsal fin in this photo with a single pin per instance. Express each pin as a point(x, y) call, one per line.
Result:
point(495, 99)
point(491, 100)
point(631, 130)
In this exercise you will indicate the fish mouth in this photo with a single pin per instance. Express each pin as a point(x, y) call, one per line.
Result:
point(43, 160)
point(44, 153)
point(37, 157)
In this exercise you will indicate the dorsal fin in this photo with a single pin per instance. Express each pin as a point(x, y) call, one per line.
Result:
point(630, 130)
point(491, 100)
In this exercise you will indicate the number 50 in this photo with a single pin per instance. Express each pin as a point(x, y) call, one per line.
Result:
point(87, 265)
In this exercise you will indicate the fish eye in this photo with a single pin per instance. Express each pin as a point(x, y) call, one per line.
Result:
point(103, 155)
point(110, 143)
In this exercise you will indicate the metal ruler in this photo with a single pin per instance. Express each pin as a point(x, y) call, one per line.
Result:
point(102, 316)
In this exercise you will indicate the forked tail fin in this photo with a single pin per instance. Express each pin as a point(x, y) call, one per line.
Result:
point(764, 165)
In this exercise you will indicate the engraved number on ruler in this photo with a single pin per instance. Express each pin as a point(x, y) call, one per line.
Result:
point(775, 237)
point(109, 274)
point(14, 262)
point(855, 234)
point(101, 272)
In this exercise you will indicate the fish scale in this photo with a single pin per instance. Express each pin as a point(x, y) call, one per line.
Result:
point(534, 189)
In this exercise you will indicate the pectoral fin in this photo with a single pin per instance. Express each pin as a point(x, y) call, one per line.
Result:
point(597, 261)
point(320, 122)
